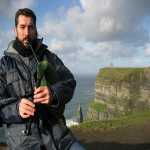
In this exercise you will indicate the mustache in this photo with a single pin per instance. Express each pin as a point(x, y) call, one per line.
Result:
point(29, 40)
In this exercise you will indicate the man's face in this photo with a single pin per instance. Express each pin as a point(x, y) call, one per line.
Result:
point(25, 30)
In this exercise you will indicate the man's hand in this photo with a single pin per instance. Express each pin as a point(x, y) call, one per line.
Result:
point(42, 95)
point(26, 108)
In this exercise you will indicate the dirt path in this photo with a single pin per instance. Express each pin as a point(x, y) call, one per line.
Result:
point(127, 138)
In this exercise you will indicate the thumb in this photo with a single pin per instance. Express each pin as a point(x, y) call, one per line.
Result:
point(35, 89)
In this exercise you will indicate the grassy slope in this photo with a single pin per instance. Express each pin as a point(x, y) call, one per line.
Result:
point(99, 107)
point(131, 119)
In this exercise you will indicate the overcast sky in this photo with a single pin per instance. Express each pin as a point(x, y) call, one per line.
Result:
point(87, 34)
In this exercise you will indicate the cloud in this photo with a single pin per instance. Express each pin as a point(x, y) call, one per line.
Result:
point(55, 29)
point(9, 7)
point(105, 20)
point(6, 37)
point(147, 49)
point(109, 20)
point(96, 32)
point(99, 30)
point(64, 47)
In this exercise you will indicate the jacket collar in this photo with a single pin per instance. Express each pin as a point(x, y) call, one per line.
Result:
point(11, 50)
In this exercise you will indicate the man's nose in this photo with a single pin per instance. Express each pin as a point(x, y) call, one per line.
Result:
point(26, 31)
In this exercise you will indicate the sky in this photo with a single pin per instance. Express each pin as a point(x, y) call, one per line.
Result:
point(87, 34)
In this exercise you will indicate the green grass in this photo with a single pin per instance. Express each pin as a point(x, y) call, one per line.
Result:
point(131, 119)
point(99, 107)
point(121, 74)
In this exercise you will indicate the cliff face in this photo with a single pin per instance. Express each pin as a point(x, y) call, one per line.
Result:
point(123, 90)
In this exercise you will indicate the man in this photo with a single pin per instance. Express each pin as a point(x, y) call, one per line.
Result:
point(34, 115)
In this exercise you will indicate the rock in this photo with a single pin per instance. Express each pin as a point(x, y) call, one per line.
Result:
point(123, 90)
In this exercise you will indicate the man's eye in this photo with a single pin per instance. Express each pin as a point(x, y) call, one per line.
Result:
point(22, 27)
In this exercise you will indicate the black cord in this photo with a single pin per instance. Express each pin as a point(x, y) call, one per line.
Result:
point(28, 131)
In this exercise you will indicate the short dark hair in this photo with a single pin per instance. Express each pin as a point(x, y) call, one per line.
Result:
point(26, 12)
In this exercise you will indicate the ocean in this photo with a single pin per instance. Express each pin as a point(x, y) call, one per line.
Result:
point(83, 95)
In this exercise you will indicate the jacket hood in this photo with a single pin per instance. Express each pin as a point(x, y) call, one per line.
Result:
point(11, 50)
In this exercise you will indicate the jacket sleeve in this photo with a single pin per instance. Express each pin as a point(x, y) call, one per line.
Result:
point(63, 89)
point(8, 105)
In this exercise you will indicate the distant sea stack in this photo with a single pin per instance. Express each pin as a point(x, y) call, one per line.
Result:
point(122, 90)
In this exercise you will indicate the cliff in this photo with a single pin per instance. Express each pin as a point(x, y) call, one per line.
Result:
point(123, 90)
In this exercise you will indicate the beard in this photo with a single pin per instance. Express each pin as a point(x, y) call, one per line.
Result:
point(31, 39)
point(26, 41)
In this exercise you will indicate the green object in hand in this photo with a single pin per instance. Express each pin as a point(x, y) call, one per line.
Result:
point(41, 70)
point(46, 75)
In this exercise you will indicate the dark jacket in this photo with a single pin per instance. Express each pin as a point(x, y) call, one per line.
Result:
point(17, 80)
